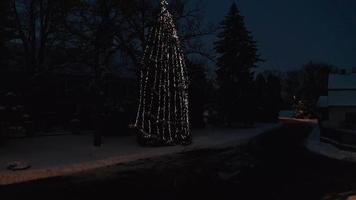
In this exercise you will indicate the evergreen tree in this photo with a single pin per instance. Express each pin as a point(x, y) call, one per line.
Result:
point(238, 56)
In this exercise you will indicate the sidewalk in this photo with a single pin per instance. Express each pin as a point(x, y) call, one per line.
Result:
point(64, 155)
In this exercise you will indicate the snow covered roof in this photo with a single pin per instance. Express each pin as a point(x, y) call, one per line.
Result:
point(340, 81)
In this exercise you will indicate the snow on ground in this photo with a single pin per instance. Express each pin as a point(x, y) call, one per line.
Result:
point(286, 113)
point(67, 154)
point(308, 121)
point(315, 145)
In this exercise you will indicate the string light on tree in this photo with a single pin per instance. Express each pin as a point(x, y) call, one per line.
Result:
point(163, 114)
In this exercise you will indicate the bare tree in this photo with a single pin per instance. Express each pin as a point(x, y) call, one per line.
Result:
point(138, 17)
point(38, 27)
point(91, 26)
point(6, 28)
point(102, 29)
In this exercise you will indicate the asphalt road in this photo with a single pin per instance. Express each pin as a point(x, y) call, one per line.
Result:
point(273, 166)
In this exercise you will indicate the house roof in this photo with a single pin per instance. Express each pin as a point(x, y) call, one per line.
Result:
point(342, 82)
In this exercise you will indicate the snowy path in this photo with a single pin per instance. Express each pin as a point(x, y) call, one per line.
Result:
point(65, 155)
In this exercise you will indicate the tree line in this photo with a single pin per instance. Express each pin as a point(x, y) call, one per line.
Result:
point(81, 57)
point(247, 97)
point(73, 64)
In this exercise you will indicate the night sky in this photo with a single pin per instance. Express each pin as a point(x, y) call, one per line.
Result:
point(291, 33)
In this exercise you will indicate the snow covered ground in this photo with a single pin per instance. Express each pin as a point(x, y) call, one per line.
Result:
point(64, 155)
point(315, 145)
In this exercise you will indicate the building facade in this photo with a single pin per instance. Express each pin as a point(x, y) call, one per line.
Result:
point(338, 109)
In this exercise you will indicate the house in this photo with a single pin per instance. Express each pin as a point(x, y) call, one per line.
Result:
point(338, 109)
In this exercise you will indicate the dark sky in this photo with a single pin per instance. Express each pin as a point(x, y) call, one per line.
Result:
point(291, 33)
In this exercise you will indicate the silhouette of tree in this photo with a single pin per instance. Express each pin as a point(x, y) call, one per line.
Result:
point(238, 56)
point(138, 19)
point(72, 51)
point(6, 29)
point(261, 93)
point(39, 26)
point(104, 30)
point(274, 99)
point(92, 25)
point(269, 99)
point(305, 86)
point(198, 90)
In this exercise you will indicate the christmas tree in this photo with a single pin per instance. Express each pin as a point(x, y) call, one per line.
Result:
point(163, 114)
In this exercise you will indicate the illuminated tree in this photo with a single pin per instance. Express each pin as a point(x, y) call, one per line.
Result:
point(163, 114)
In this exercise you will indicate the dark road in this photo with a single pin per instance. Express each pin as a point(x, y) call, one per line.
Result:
point(273, 166)
point(286, 170)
